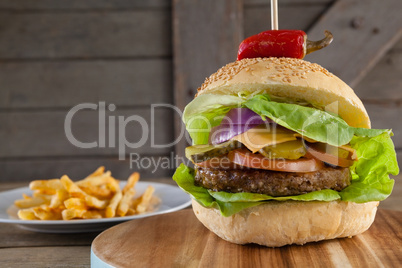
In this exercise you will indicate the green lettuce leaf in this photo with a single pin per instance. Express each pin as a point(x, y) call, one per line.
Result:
point(323, 195)
point(205, 112)
point(309, 122)
point(377, 159)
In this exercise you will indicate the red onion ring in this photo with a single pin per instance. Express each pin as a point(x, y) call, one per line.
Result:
point(235, 122)
point(242, 116)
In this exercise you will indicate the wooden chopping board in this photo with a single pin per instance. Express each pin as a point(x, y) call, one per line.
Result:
point(179, 240)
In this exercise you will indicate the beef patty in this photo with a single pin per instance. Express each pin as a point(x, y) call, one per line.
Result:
point(273, 183)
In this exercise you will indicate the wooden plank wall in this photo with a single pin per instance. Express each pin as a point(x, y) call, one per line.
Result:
point(57, 54)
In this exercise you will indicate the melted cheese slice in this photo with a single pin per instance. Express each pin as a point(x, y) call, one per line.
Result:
point(346, 147)
point(297, 135)
point(353, 154)
point(257, 138)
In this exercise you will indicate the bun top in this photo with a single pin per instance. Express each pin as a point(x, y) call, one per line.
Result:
point(290, 80)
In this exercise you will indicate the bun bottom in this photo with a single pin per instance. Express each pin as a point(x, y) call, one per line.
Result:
point(276, 224)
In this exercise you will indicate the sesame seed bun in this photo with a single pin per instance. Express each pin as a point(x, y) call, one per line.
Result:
point(276, 224)
point(291, 79)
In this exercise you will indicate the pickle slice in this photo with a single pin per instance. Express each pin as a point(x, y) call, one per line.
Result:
point(201, 153)
point(288, 150)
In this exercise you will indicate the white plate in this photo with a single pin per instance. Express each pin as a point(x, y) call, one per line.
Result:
point(172, 199)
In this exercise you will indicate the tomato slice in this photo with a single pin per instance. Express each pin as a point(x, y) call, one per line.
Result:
point(246, 158)
point(330, 154)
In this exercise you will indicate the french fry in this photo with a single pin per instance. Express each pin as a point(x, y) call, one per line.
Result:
point(96, 180)
point(69, 214)
point(99, 171)
point(96, 196)
point(44, 191)
point(27, 214)
point(58, 198)
point(131, 211)
point(99, 179)
point(124, 203)
point(135, 202)
point(71, 187)
point(92, 214)
point(128, 194)
point(46, 197)
point(110, 211)
point(102, 186)
point(95, 202)
point(145, 200)
point(75, 191)
point(30, 202)
point(131, 181)
point(100, 192)
point(46, 185)
point(75, 203)
point(45, 213)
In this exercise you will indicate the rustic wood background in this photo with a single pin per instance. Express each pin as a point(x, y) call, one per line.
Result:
point(132, 53)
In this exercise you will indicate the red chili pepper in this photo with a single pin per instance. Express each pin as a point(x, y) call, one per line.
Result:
point(281, 43)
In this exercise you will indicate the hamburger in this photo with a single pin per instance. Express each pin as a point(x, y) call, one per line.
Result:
point(282, 154)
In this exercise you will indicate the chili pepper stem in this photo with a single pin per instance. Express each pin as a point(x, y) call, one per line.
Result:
point(312, 46)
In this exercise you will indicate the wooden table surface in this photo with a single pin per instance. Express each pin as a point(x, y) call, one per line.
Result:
point(22, 248)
